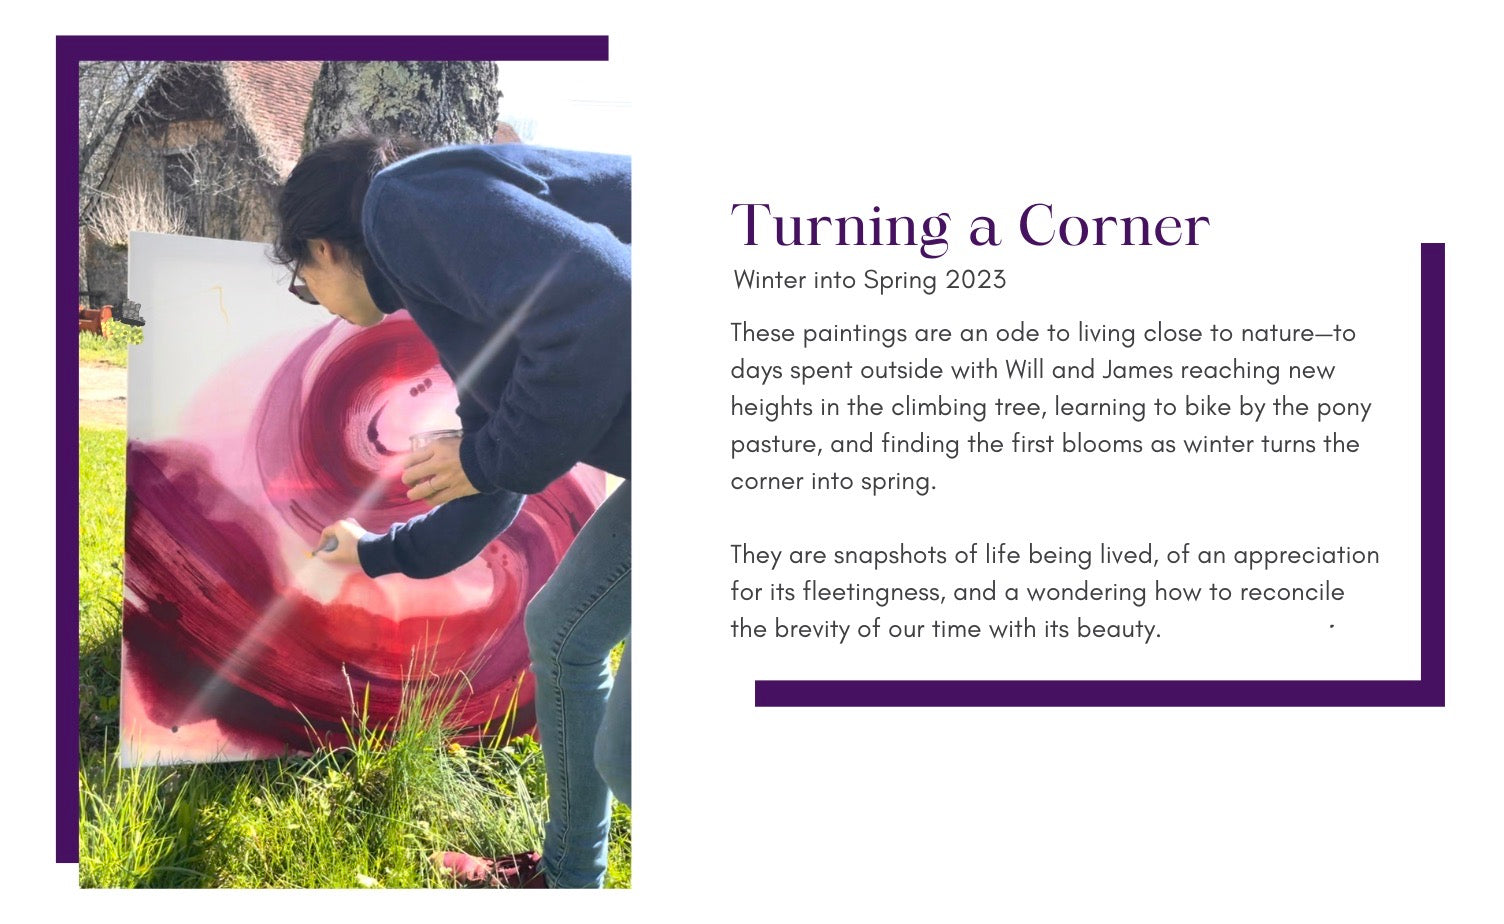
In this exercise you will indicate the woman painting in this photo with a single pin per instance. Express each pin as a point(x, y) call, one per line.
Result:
point(515, 262)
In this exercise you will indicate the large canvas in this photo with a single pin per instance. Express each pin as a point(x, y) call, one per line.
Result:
point(254, 421)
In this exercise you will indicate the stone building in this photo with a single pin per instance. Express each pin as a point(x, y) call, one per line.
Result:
point(209, 144)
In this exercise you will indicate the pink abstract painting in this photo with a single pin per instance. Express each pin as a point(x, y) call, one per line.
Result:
point(254, 421)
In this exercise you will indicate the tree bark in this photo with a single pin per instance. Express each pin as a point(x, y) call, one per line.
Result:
point(436, 102)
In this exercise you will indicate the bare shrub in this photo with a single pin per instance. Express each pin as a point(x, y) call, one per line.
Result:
point(136, 206)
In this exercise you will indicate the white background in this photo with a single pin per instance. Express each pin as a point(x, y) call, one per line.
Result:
point(1326, 145)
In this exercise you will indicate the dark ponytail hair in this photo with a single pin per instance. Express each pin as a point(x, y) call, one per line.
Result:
point(325, 192)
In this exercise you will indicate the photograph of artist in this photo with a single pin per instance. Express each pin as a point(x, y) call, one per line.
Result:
point(515, 262)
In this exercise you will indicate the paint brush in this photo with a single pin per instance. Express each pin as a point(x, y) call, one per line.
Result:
point(419, 441)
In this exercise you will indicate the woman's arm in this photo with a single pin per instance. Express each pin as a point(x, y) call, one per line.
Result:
point(471, 234)
point(439, 541)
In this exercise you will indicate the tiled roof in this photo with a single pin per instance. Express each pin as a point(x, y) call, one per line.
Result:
point(272, 98)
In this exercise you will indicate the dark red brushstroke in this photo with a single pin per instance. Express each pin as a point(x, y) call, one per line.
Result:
point(214, 625)
point(324, 392)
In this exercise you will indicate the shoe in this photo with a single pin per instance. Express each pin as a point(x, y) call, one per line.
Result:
point(517, 871)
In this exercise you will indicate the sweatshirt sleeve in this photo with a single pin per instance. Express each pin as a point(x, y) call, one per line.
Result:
point(439, 541)
point(479, 241)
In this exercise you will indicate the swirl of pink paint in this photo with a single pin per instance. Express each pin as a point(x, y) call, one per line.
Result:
point(216, 629)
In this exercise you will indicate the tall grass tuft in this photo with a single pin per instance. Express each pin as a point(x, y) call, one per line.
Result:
point(368, 814)
point(131, 828)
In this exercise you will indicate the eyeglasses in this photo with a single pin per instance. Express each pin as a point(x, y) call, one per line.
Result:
point(302, 291)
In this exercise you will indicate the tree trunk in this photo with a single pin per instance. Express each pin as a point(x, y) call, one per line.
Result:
point(436, 102)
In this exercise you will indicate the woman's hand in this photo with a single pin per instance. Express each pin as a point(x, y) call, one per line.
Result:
point(434, 473)
point(346, 533)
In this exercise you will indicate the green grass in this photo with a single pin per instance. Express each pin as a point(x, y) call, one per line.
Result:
point(112, 350)
point(101, 544)
point(368, 815)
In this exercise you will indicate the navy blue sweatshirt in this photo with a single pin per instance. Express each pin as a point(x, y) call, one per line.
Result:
point(515, 262)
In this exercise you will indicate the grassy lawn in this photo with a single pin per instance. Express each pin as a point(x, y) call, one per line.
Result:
point(365, 816)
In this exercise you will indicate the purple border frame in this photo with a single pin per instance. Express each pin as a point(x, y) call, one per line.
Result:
point(1429, 690)
point(71, 49)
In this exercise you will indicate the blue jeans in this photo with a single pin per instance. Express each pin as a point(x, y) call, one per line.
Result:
point(584, 720)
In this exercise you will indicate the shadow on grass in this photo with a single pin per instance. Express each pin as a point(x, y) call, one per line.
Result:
point(99, 691)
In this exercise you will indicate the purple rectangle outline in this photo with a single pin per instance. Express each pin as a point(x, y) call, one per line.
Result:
point(72, 49)
point(1429, 690)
